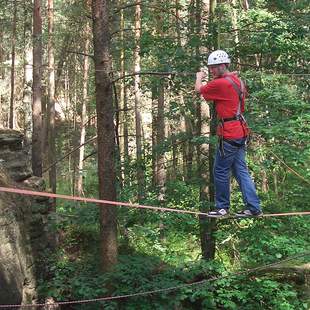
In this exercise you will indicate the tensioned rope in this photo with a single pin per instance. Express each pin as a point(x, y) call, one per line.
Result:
point(289, 168)
point(131, 205)
point(156, 72)
point(162, 290)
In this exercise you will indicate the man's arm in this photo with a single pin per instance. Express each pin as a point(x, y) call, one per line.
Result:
point(199, 76)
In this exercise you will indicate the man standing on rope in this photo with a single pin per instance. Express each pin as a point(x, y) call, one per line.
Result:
point(228, 93)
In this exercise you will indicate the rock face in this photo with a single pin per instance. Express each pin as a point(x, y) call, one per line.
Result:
point(17, 273)
point(14, 157)
point(23, 232)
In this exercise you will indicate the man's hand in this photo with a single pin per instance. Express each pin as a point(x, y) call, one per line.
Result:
point(199, 76)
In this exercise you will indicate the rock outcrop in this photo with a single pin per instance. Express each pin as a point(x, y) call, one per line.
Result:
point(23, 224)
point(14, 156)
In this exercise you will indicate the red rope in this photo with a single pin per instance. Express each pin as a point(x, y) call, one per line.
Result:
point(127, 204)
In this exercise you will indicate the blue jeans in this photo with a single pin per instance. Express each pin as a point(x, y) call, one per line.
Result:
point(233, 160)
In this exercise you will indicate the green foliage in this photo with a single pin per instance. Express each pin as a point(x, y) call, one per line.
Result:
point(72, 280)
point(134, 274)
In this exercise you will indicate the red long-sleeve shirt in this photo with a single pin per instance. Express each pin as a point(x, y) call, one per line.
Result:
point(226, 101)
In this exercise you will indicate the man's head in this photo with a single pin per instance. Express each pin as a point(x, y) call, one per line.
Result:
point(218, 62)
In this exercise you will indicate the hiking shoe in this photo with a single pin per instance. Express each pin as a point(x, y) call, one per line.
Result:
point(218, 213)
point(246, 213)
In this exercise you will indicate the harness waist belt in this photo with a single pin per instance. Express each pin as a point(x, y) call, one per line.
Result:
point(233, 143)
point(235, 118)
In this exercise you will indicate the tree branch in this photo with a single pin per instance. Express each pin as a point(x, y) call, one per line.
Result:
point(172, 73)
point(80, 53)
point(68, 154)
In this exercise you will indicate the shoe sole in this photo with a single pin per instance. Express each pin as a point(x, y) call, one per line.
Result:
point(252, 215)
point(218, 216)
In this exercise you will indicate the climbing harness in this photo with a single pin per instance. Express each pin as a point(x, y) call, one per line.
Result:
point(238, 117)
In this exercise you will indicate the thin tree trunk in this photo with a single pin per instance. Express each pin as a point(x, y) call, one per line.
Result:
point(161, 174)
point(73, 110)
point(50, 113)
point(37, 91)
point(234, 20)
point(245, 4)
point(212, 25)
point(51, 98)
point(264, 181)
point(184, 143)
point(174, 170)
point(137, 68)
point(123, 102)
point(105, 127)
point(160, 137)
point(203, 155)
point(119, 175)
point(63, 52)
point(83, 114)
point(174, 146)
point(189, 123)
point(207, 226)
point(28, 72)
point(125, 138)
point(189, 149)
point(67, 98)
point(154, 126)
point(178, 28)
point(11, 117)
point(275, 182)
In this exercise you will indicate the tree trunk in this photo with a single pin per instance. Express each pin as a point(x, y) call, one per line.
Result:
point(11, 115)
point(137, 68)
point(63, 52)
point(126, 134)
point(28, 72)
point(160, 137)
point(51, 99)
point(161, 175)
point(174, 169)
point(123, 102)
point(183, 145)
point(189, 148)
point(37, 91)
point(212, 24)
point(264, 181)
point(79, 185)
point(275, 183)
point(27, 77)
point(234, 20)
point(207, 226)
point(154, 126)
point(178, 28)
point(105, 127)
point(245, 4)
point(203, 157)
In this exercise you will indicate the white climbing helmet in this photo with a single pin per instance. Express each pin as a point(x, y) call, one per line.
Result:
point(218, 57)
